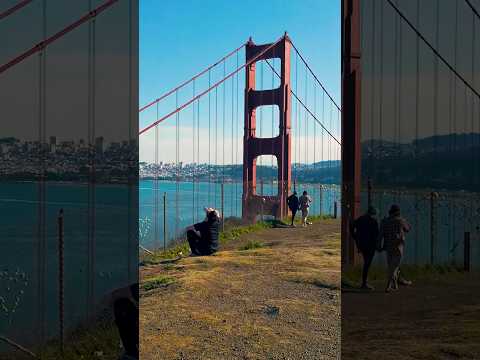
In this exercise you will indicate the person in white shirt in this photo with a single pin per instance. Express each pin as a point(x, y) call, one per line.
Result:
point(304, 204)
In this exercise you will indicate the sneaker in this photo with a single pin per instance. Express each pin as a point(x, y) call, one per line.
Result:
point(404, 282)
point(367, 287)
point(309, 223)
point(390, 289)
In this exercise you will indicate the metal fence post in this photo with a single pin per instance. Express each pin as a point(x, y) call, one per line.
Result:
point(432, 227)
point(321, 200)
point(335, 209)
point(466, 251)
point(61, 278)
point(222, 203)
point(164, 221)
point(417, 242)
point(263, 202)
point(369, 192)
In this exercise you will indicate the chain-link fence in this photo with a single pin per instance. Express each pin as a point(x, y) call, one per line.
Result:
point(440, 220)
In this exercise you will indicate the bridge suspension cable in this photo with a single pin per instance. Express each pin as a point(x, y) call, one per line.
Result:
point(214, 86)
point(193, 78)
point(197, 173)
point(315, 76)
point(44, 43)
point(306, 108)
point(474, 10)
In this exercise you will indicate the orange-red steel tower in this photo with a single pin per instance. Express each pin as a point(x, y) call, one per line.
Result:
point(279, 146)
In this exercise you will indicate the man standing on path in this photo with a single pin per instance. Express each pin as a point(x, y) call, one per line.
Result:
point(392, 231)
point(305, 202)
point(292, 202)
point(364, 231)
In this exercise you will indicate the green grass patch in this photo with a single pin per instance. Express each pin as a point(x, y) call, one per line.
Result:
point(251, 245)
point(172, 252)
point(181, 247)
point(157, 282)
point(233, 230)
point(101, 341)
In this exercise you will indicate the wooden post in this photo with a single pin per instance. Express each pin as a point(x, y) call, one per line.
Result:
point(61, 278)
point(466, 251)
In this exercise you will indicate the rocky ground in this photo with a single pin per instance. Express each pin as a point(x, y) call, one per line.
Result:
point(272, 294)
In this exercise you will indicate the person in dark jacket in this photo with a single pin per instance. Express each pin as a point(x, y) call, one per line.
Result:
point(123, 304)
point(365, 232)
point(292, 202)
point(203, 236)
point(126, 317)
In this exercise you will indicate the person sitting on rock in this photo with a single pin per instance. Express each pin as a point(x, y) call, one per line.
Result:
point(203, 236)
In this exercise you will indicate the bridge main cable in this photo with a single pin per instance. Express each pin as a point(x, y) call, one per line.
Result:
point(43, 44)
point(192, 78)
point(211, 87)
point(14, 8)
point(306, 108)
point(315, 77)
point(433, 49)
point(474, 10)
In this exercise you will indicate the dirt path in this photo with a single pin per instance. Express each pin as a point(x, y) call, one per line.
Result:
point(279, 301)
point(433, 319)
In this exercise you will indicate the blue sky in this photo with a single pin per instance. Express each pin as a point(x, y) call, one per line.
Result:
point(180, 38)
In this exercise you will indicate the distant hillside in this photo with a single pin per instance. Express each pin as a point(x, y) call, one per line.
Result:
point(442, 162)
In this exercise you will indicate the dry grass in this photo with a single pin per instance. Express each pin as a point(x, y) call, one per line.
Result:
point(280, 300)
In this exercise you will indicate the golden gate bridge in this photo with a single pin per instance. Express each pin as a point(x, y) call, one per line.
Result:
point(301, 137)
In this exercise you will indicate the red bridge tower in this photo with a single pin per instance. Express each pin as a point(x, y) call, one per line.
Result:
point(279, 146)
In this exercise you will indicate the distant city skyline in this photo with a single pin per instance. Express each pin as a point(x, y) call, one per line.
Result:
point(67, 160)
